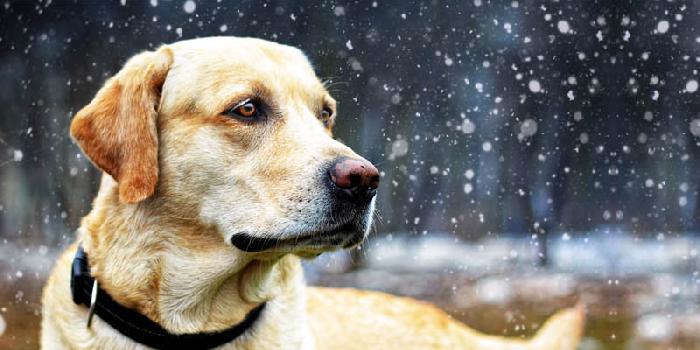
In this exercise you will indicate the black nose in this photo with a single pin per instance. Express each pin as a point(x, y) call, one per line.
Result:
point(353, 180)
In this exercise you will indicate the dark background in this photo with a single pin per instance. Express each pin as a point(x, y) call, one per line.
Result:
point(438, 94)
point(406, 81)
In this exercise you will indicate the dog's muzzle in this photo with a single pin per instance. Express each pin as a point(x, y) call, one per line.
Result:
point(351, 185)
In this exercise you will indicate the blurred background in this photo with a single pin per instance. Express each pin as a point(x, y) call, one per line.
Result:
point(533, 153)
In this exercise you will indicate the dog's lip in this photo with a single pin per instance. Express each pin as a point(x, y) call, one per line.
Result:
point(331, 238)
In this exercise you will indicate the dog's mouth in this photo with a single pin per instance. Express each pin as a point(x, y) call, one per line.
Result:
point(344, 236)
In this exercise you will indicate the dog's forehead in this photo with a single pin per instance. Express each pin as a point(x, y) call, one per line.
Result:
point(230, 59)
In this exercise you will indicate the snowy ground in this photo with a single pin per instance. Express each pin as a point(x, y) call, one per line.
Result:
point(640, 294)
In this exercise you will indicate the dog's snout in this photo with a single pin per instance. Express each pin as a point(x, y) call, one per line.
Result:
point(358, 179)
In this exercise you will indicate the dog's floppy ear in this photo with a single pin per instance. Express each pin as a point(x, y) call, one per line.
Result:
point(117, 130)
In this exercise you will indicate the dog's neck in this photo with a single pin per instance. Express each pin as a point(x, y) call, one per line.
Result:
point(179, 273)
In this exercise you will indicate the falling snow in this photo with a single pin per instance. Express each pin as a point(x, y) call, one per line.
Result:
point(468, 188)
point(189, 6)
point(695, 127)
point(528, 127)
point(398, 149)
point(534, 86)
point(563, 27)
point(17, 155)
point(468, 126)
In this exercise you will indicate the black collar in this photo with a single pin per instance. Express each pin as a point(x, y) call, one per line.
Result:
point(139, 327)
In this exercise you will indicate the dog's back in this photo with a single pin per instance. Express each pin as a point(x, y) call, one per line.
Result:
point(355, 319)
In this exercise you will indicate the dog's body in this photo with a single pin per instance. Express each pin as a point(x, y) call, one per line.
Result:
point(220, 173)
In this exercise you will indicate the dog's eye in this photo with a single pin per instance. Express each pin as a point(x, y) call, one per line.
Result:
point(247, 110)
point(326, 114)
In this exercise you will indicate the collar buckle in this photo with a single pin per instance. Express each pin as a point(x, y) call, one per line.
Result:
point(93, 302)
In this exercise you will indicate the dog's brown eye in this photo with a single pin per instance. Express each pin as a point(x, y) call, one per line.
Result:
point(246, 110)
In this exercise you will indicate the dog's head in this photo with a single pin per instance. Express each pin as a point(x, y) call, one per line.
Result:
point(235, 134)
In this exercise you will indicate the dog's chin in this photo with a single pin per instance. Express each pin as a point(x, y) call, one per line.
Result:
point(304, 244)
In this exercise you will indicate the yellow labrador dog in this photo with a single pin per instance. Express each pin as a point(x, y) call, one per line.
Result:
point(220, 174)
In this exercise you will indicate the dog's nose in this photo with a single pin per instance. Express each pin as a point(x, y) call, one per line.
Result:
point(358, 179)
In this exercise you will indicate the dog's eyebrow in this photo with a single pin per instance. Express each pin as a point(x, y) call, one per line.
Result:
point(261, 90)
point(256, 89)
